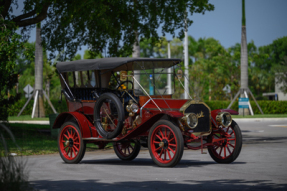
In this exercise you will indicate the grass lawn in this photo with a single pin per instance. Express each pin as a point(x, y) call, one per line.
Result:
point(26, 118)
point(31, 138)
point(34, 140)
point(261, 116)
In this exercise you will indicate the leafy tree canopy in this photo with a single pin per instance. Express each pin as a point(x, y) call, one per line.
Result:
point(9, 44)
point(71, 24)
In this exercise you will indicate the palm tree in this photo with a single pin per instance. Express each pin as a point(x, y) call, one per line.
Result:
point(39, 105)
point(244, 56)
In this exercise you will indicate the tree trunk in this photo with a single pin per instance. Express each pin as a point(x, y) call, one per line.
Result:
point(243, 60)
point(40, 110)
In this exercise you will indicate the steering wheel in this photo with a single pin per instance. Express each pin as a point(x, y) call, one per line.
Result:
point(120, 84)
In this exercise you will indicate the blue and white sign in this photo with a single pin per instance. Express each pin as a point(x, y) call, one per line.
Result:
point(243, 102)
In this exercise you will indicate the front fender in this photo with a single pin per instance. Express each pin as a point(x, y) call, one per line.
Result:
point(86, 127)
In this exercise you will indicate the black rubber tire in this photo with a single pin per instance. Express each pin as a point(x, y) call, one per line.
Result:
point(179, 146)
point(130, 156)
point(112, 98)
point(82, 144)
point(238, 145)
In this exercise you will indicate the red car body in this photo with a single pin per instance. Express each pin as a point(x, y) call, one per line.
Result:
point(160, 122)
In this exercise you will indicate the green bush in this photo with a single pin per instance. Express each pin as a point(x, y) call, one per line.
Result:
point(221, 105)
point(268, 107)
point(13, 173)
point(59, 107)
point(15, 108)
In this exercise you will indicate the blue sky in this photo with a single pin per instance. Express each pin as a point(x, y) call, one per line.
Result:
point(265, 22)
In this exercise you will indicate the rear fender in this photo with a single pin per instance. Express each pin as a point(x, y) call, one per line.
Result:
point(86, 127)
point(215, 112)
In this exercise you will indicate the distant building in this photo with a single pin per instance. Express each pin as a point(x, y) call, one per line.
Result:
point(278, 95)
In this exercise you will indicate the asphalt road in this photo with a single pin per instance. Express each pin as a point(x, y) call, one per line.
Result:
point(260, 166)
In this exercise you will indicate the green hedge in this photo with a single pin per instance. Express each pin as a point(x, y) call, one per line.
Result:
point(14, 109)
point(268, 107)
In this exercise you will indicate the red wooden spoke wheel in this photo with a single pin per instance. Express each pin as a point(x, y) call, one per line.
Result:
point(70, 143)
point(127, 150)
point(227, 143)
point(165, 143)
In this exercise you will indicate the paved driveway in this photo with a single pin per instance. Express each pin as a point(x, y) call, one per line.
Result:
point(260, 166)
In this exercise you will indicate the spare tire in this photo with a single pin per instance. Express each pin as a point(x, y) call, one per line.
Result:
point(109, 115)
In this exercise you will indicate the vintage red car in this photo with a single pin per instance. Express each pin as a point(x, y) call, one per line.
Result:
point(134, 102)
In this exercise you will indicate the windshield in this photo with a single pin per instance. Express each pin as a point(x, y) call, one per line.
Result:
point(158, 81)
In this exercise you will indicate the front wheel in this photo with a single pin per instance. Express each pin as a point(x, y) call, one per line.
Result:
point(227, 143)
point(165, 143)
point(127, 150)
point(70, 143)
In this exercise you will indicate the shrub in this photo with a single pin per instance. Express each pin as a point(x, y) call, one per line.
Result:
point(268, 107)
point(13, 176)
point(15, 108)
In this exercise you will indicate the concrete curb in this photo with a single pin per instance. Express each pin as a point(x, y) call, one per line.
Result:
point(260, 119)
point(32, 122)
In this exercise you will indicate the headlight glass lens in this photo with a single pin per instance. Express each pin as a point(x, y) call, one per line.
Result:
point(191, 120)
point(134, 108)
point(224, 119)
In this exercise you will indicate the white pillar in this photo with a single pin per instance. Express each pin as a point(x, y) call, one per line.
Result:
point(186, 62)
point(136, 54)
point(169, 90)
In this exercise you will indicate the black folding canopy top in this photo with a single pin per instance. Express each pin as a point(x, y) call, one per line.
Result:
point(116, 63)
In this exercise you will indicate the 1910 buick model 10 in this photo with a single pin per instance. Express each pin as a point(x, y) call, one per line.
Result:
point(134, 102)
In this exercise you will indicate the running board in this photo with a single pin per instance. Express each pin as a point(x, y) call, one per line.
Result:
point(98, 139)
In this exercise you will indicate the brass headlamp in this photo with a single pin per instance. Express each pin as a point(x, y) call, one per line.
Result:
point(132, 108)
point(190, 120)
point(224, 119)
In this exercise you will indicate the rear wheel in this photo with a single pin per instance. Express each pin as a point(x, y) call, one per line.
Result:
point(127, 150)
point(165, 143)
point(227, 143)
point(70, 143)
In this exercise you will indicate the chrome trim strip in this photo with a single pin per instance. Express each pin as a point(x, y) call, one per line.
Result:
point(143, 107)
